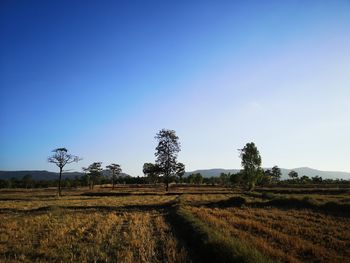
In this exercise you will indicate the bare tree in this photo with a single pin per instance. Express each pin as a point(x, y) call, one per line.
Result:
point(116, 170)
point(61, 157)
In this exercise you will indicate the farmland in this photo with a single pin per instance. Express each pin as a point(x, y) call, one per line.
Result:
point(187, 224)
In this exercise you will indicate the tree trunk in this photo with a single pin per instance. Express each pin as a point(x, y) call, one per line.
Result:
point(113, 182)
point(59, 183)
point(166, 185)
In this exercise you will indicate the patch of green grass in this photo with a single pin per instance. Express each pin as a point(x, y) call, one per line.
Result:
point(212, 245)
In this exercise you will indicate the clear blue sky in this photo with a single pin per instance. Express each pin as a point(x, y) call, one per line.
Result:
point(103, 77)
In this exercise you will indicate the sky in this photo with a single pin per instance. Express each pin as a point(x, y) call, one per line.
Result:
point(101, 78)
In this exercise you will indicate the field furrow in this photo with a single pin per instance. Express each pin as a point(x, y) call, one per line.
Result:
point(198, 225)
point(280, 242)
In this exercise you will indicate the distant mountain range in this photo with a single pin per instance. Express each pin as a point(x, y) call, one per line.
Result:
point(45, 175)
point(301, 171)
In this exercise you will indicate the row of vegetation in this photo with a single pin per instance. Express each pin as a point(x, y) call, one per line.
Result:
point(211, 245)
point(224, 179)
point(195, 223)
point(266, 234)
point(166, 169)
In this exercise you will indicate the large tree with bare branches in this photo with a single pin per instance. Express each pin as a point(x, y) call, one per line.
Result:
point(61, 157)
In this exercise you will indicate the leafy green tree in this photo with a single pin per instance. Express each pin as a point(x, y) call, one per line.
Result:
point(14, 182)
point(76, 182)
point(67, 182)
point(330, 181)
point(116, 170)
point(27, 180)
point(61, 158)
point(198, 178)
point(265, 177)
point(210, 180)
point(166, 154)
point(304, 179)
point(316, 179)
point(236, 179)
point(191, 178)
point(4, 183)
point(152, 171)
point(224, 179)
point(276, 173)
point(195, 178)
point(267, 172)
point(293, 175)
point(251, 163)
point(95, 173)
point(180, 171)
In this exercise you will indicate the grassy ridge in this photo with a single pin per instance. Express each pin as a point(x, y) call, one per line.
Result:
point(286, 202)
point(287, 235)
point(210, 245)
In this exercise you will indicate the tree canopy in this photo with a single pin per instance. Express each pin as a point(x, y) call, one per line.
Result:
point(293, 175)
point(152, 171)
point(116, 170)
point(276, 173)
point(61, 158)
point(166, 154)
point(251, 164)
point(94, 170)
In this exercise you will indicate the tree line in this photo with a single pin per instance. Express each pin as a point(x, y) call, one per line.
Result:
point(27, 181)
point(166, 163)
point(224, 179)
point(166, 169)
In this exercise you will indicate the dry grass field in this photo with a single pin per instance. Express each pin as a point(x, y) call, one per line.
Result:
point(188, 224)
point(40, 227)
point(285, 235)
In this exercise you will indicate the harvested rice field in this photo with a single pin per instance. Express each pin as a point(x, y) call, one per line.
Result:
point(285, 235)
point(89, 236)
point(186, 224)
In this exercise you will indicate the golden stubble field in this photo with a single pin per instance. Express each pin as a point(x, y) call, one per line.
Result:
point(135, 225)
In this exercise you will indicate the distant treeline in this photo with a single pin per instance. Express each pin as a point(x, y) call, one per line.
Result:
point(237, 179)
point(27, 181)
point(228, 180)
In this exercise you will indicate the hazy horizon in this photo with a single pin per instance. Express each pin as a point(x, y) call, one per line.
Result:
point(101, 79)
point(215, 168)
